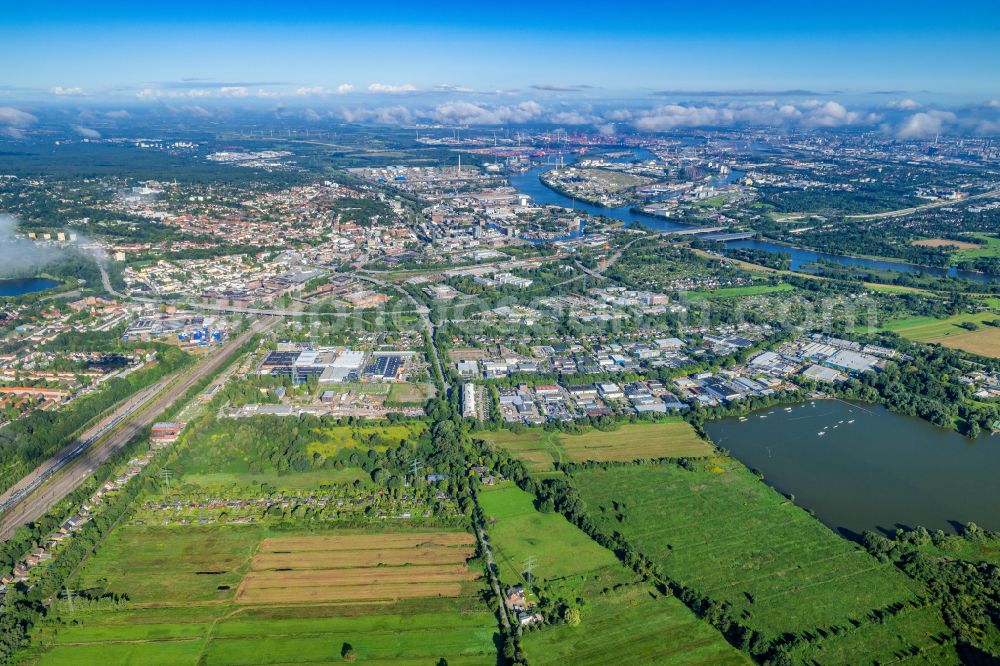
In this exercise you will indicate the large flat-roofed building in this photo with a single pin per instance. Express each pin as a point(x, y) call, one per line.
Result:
point(469, 400)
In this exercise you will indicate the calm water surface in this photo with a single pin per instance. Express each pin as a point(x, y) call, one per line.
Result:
point(801, 258)
point(529, 183)
point(870, 469)
point(21, 286)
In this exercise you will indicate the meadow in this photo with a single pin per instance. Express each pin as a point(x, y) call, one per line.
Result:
point(205, 595)
point(719, 530)
point(409, 393)
point(948, 332)
point(539, 449)
point(623, 620)
point(924, 329)
point(990, 248)
point(984, 342)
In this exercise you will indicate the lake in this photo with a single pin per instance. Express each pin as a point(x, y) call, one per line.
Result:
point(21, 286)
point(870, 469)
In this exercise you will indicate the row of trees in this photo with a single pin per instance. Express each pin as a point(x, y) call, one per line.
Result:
point(968, 591)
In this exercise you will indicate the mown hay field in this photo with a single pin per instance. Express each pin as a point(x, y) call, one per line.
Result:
point(218, 594)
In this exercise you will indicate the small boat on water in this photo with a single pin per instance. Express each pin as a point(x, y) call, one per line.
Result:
point(851, 421)
point(821, 433)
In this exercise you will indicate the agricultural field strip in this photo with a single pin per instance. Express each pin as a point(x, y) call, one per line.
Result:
point(362, 575)
point(237, 624)
point(678, 551)
point(697, 562)
point(327, 559)
point(682, 527)
point(365, 542)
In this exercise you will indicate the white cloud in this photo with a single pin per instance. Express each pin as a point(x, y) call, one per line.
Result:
point(671, 116)
point(233, 91)
point(121, 114)
point(60, 91)
point(988, 127)
point(467, 113)
point(572, 118)
point(812, 113)
point(12, 132)
point(833, 114)
point(322, 91)
point(904, 105)
point(15, 117)
point(86, 132)
point(925, 124)
point(386, 115)
point(196, 110)
point(388, 88)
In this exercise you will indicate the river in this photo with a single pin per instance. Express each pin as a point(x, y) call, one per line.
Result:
point(21, 286)
point(801, 258)
point(871, 469)
point(529, 183)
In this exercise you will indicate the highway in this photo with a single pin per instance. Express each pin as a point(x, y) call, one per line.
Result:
point(36, 493)
point(917, 209)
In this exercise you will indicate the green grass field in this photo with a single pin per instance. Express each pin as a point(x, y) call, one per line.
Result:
point(176, 613)
point(990, 249)
point(519, 531)
point(673, 438)
point(538, 448)
point(407, 632)
point(410, 394)
point(623, 620)
point(727, 535)
point(734, 292)
point(923, 329)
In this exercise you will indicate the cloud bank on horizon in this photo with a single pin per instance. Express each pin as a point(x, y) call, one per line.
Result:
point(451, 105)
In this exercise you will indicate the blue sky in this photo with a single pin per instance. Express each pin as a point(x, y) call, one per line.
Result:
point(123, 50)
